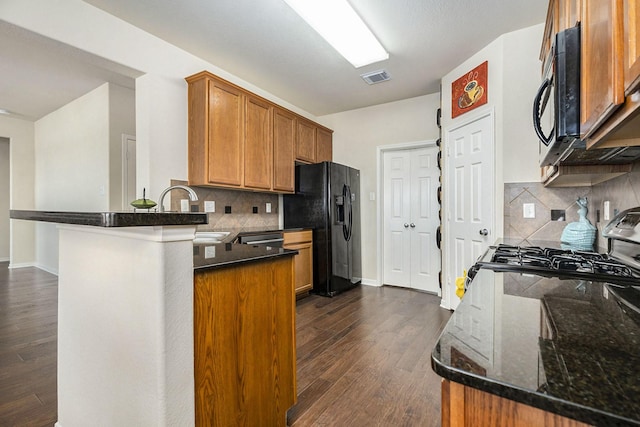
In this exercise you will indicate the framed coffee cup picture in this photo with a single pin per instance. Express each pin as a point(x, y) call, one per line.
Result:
point(469, 91)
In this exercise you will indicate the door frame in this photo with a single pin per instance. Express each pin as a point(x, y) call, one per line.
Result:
point(448, 277)
point(126, 138)
point(380, 150)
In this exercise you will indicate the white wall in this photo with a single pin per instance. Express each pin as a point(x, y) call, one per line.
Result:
point(513, 79)
point(21, 152)
point(122, 120)
point(161, 93)
point(4, 199)
point(358, 133)
point(521, 79)
point(72, 165)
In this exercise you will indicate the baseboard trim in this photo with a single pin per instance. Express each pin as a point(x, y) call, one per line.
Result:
point(370, 282)
point(4, 259)
point(22, 265)
point(48, 270)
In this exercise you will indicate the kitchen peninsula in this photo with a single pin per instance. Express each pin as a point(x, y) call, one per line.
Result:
point(521, 350)
point(156, 331)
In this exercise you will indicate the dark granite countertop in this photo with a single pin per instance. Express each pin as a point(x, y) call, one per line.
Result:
point(569, 347)
point(209, 256)
point(112, 219)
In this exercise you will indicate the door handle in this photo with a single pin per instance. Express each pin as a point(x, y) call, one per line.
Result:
point(484, 232)
point(413, 225)
point(406, 225)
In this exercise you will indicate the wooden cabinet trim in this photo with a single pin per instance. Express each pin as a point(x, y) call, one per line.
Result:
point(292, 237)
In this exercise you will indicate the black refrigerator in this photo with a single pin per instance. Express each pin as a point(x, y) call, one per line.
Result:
point(327, 200)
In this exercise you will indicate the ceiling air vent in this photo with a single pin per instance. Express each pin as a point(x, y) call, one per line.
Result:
point(376, 77)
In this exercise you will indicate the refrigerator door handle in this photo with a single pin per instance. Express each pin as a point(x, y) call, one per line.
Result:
point(350, 212)
point(345, 224)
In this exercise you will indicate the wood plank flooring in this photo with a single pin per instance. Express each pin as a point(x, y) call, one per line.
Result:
point(364, 359)
point(28, 347)
point(363, 356)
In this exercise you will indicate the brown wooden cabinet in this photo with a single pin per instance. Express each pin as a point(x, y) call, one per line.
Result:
point(284, 138)
point(631, 13)
point(561, 14)
point(238, 139)
point(602, 53)
point(324, 145)
point(467, 406)
point(258, 143)
point(302, 241)
point(211, 100)
point(306, 141)
point(314, 144)
point(244, 344)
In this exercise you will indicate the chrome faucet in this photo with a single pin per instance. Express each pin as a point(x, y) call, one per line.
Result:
point(192, 194)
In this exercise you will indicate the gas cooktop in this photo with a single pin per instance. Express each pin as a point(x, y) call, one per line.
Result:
point(559, 263)
point(561, 260)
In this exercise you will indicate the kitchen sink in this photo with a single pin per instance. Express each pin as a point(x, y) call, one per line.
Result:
point(210, 236)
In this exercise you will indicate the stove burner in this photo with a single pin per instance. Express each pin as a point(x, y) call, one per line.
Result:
point(561, 261)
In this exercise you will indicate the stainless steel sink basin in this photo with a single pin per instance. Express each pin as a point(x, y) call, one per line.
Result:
point(210, 236)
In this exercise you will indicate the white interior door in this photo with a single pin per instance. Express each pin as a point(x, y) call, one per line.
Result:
point(411, 257)
point(470, 196)
point(425, 255)
point(397, 216)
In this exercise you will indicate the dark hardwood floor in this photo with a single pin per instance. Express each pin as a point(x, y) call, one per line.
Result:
point(364, 359)
point(363, 356)
point(28, 347)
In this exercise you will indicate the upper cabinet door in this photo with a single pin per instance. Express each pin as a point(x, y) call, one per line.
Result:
point(306, 141)
point(632, 45)
point(284, 137)
point(258, 146)
point(602, 80)
point(226, 139)
point(324, 145)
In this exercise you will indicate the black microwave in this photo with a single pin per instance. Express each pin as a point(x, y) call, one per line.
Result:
point(561, 83)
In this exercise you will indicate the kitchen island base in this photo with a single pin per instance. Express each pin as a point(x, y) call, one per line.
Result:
point(245, 358)
point(125, 326)
point(467, 406)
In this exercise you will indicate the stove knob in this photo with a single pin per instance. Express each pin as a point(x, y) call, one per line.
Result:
point(484, 232)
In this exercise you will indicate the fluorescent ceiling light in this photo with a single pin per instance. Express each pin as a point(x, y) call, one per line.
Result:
point(340, 25)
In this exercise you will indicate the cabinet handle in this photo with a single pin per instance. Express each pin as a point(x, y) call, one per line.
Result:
point(413, 225)
point(406, 225)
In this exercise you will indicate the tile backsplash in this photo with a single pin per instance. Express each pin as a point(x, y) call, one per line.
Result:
point(554, 208)
point(242, 204)
point(622, 193)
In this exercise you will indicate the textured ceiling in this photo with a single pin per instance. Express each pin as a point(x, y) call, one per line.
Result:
point(266, 43)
